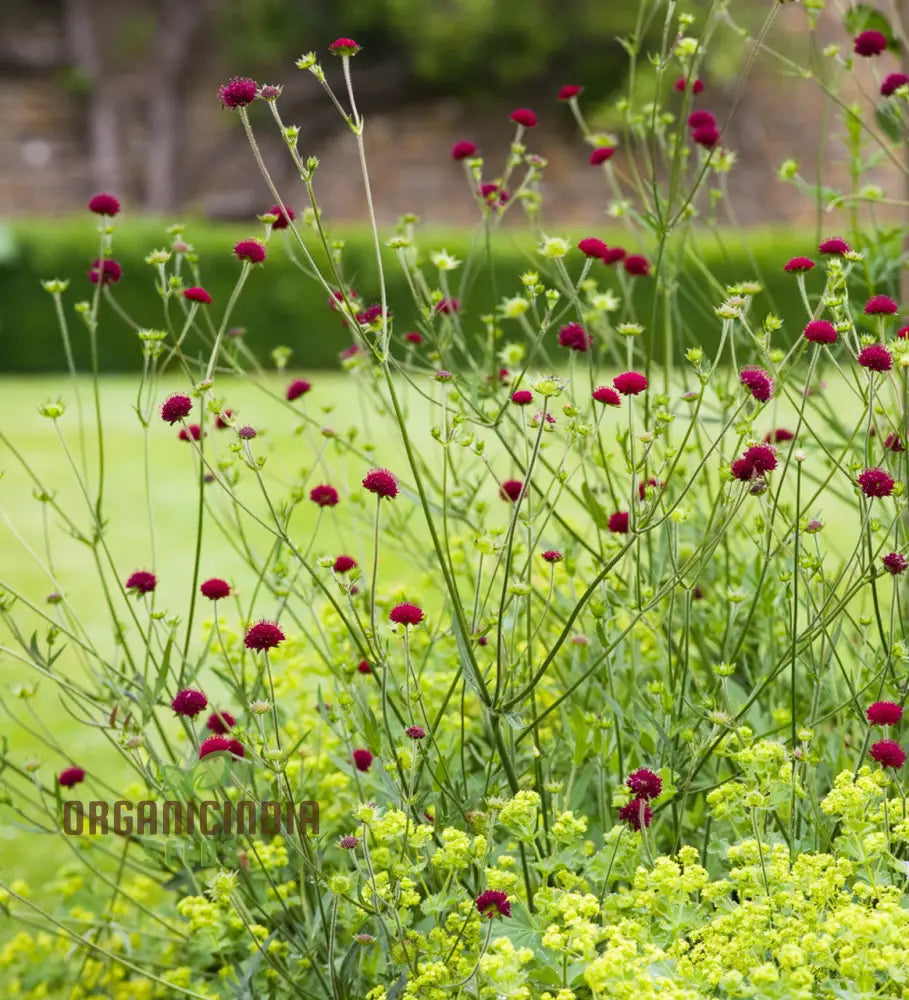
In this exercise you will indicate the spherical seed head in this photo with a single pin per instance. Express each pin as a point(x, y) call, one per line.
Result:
point(191, 433)
point(575, 337)
point(285, 215)
point(758, 382)
point(344, 47)
point(820, 331)
point(834, 245)
point(362, 759)
point(344, 564)
point(522, 397)
point(324, 495)
point(363, 667)
point(416, 732)
point(493, 903)
point(176, 407)
point(590, 246)
point(869, 43)
point(299, 387)
point(705, 135)
point(214, 744)
point(644, 784)
point(884, 713)
point(603, 394)
point(552, 555)
point(142, 582)
point(875, 357)
point(799, 265)
point(701, 119)
point(568, 91)
point(263, 635)
point(348, 843)
point(875, 483)
point(636, 265)
point(406, 614)
point(618, 522)
point(220, 723)
point(892, 82)
point(381, 482)
point(601, 154)
point(108, 272)
point(636, 814)
point(630, 383)
point(523, 116)
point(463, 149)
point(511, 490)
point(880, 305)
point(250, 250)
point(412, 337)
point(888, 753)
point(189, 702)
point(70, 776)
point(238, 92)
point(104, 204)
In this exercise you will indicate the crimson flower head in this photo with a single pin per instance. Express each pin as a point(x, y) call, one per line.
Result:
point(250, 250)
point(892, 83)
point(363, 667)
point(644, 784)
point(701, 119)
point(630, 383)
point(416, 732)
point(406, 614)
point(820, 331)
point(603, 394)
point(893, 442)
point(657, 484)
point(758, 382)
point(381, 482)
point(217, 744)
point(299, 387)
point(636, 814)
point(176, 407)
point(189, 702)
point(238, 92)
point(263, 635)
point(778, 436)
point(880, 305)
point(755, 461)
point(895, 563)
point(575, 337)
point(413, 337)
point(523, 116)
point(799, 265)
point(70, 776)
point(590, 246)
point(552, 556)
point(493, 903)
point(324, 495)
point(601, 155)
point(362, 759)
point(220, 722)
point(511, 490)
point(285, 215)
point(344, 564)
point(568, 91)
point(705, 135)
point(884, 713)
point(870, 43)
point(447, 306)
point(222, 420)
point(343, 47)
point(636, 264)
point(215, 589)
point(903, 333)
point(370, 314)
point(463, 149)
point(834, 245)
point(875, 483)
point(107, 272)
point(697, 85)
point(522, 397)
point(104, 204)
point(142, 582)
point(875, 357)
point(197, 294)
point(618, 522)
point(888, 753)
point(191, 433)
point(613, 255)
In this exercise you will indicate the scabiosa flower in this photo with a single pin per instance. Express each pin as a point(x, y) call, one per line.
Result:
point(344, 564)
point(492, 902)
point(250, 250)
point(630, 383)
point(552, 556)
point(247, 433)
point(895, 563)
point(142, 582)
point(108, 272)
point(888, 753)
point(463, 149)
point(618, 522)
point(892, 82)
point(893, 442)
point(70, 776)
point(362, 759)
point(216, 744)
point(215, 589)
point(603, 394)
point(884, 713)
point(613, 255)
point(324, 495)
point(412, 337)
point(820, 331)
point(701, 119)
point(285, 216)
point(799, 265)
point(869, 43)
point(636, 814)
point(657, 484)
point(238, 92)
point(176, 407)
point(575, 337)
point(758, 382)
point(381, 482)
point(523, 116)
point(406, 614)
point(369, 315)
point(189, 702)
point(779, 435)
point(568, 91)
point(592, 247)
point(876, 358)
point(522, 397)
point(363, 667)
point(875, 483)
point(705, 135)
point(343, 47)
point(880, 305)
point(754, 461)
point(191, 433)
point(636, 264)
point(104, 204)
point(348, 843)
point(263, 635)
point(511, 490)
point(299, 387)
point(447, 306)
point(601, 155)
point(220, 722)
point(416, 732)
point(644, 784)
point(835, 245)
point(697, 85)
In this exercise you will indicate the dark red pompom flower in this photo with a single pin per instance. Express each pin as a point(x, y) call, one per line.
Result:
point(697, 85)
point(362, 759)
point(603, 394)
point(892, 83)
point(758, 382)
point(820, 331)
point(344, 564)
point(895, 563)
point(215, 589)
point(493, 903)
point(324, 495)
point(216, 744)
point(406, 614)
point(618, 522)
point(590, 246)
point(568, 91)
point(778, 436)
point(523, 116)
point(870, 43)
point(189, 702)
point(875, 483)
point(197, 294)
point(636, 814)
point(416, 732)
point(601, 155)
point(285, 216)
point(263, 635)
point(575, 337)
point(834, 245)
point(104, 204)
point(238, 92)
point(250, 250)
point(299, 387)
point(220, 722)
point(888, 753)
point(522, 397)
point(875, 357)
point(701, 119)
point(884, 713)
point(381, 482)
point(637, 265)
point(70, 776)
point(344, 47)
point(511, 489)
point(191, 433)
point(705, 135)
point(613, 255)
point(799, 264)
point(463, 149)
point(108, 272)
point(412, 337)
point(142, 582)
point(363, 667)
point(880, 305)
point(630, 383)
point(552, 556)
point(644, 784)
point(176, 407)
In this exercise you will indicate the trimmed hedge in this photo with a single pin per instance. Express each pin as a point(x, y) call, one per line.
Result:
point(282, 306)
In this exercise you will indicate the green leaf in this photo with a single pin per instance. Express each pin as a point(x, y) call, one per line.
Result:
point(888, 120)
point(593, 506)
